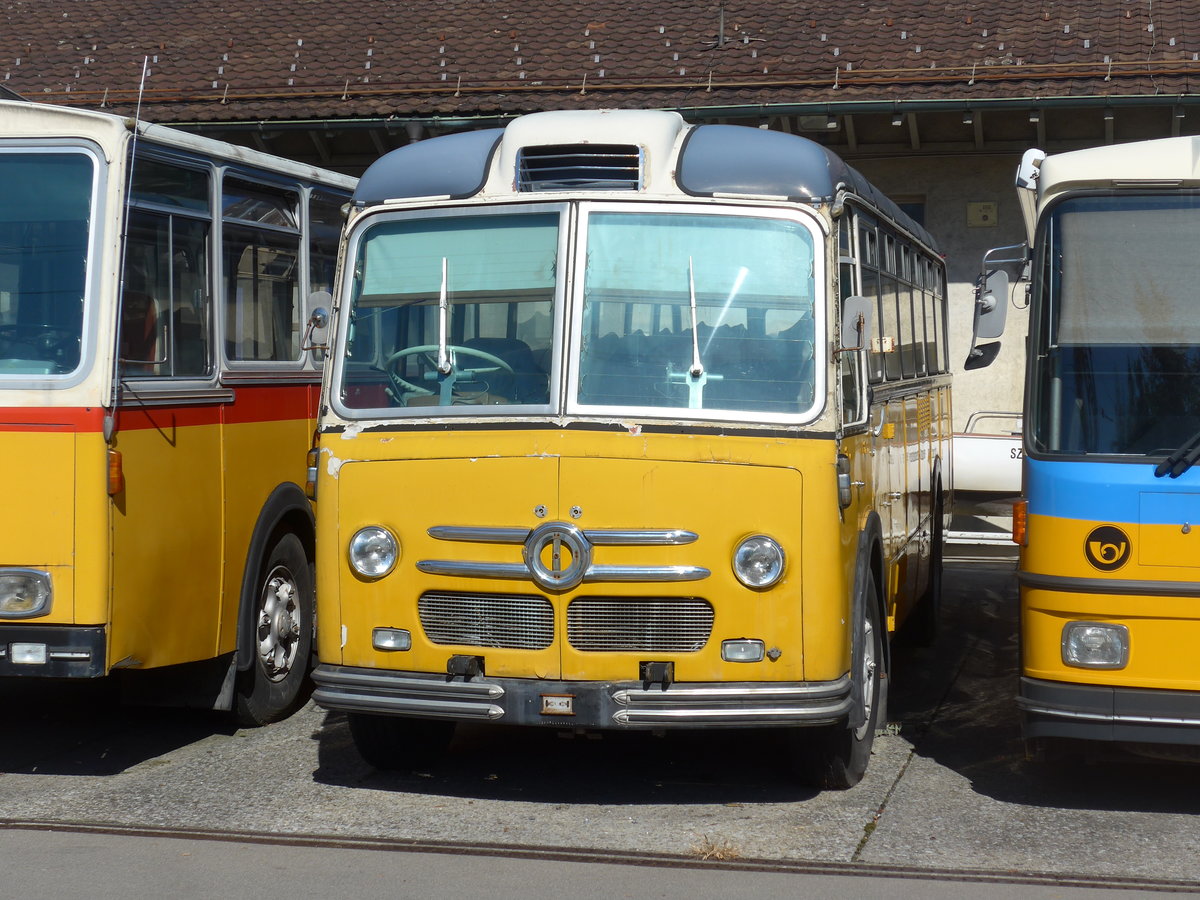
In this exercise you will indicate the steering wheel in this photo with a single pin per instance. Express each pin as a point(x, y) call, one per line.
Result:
point(54, 344)
point(429, 352)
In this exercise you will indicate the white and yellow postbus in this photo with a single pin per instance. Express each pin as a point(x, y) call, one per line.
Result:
point(1108, 522)
point(156, 405)
point(627, 425)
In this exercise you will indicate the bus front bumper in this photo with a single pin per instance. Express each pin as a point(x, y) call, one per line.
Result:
point(1101, 713)
point(581, 704)
point(52, 651)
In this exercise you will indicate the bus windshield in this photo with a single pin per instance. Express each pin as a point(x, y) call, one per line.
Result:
point(697, 311)
point(453, 311)
point(1117, 364)
point(45, 214)
point(705, 313)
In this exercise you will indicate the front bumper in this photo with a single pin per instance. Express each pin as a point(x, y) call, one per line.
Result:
point(1100, 713)
point(605, 705)
point(71, 651)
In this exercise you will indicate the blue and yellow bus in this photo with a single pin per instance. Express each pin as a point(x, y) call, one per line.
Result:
point(1109, 523)
point(156, 403)
point(628, 424)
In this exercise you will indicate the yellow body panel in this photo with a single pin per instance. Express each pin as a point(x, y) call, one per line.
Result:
point(258, 457)
point(722, 488)
point(1160, 626)
point(39, 519)
point(167, 542)
point(57, 490)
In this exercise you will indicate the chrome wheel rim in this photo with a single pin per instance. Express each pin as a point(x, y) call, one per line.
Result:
point(278, 624)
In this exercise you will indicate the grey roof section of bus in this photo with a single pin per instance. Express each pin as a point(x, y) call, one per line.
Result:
point(736, 159)
point(715, 159)
point(454, 166)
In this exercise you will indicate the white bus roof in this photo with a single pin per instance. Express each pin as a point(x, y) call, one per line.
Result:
point(1167, 162)
point(22, 118)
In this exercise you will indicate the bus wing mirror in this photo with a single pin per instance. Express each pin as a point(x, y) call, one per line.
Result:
point(982, 356)
point(316, 334)
point(856, 323)
point(991, 300)
point(991, 308)
point(991, 304)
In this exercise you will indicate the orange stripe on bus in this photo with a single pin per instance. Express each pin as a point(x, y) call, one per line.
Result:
point(274, 403)
point(51, 418)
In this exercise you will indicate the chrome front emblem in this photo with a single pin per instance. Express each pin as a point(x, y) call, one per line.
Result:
point(558, 556)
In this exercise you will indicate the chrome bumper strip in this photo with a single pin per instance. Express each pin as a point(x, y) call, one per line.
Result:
point(594, 704)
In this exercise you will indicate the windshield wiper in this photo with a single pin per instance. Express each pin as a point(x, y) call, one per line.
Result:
point(443, 358)
point(697, 369)
point(1181, 460)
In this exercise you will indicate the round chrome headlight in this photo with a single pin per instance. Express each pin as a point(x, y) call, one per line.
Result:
point(374, 551)
point(758, 561)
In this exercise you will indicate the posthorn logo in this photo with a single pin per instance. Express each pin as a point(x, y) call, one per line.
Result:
point(1107, 548)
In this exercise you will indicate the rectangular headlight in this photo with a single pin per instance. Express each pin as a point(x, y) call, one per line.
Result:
point(28, 654)
point(391, 639)
point(1095, 645)
point(24, 593)
point(743, 651)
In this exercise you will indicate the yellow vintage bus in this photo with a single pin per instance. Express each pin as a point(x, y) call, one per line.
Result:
point(628, 424)
point(155, 407)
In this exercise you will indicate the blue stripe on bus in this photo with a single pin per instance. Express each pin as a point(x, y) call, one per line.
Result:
point(1110, 492)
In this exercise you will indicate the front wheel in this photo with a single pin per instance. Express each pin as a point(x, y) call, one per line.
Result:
point(277, 682)
point(396, 743)
point(836, 757)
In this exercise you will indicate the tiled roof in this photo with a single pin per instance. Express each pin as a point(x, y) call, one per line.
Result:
point(351, 59)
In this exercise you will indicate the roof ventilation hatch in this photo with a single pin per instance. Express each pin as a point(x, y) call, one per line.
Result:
point(573, 167)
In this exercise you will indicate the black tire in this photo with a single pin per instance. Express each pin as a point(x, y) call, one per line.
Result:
point(397, 743)
point(836, 757)
point(277, 682)
point(924, 622)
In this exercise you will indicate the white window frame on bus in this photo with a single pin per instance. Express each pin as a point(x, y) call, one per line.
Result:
point(820, 346)
point(98, 212)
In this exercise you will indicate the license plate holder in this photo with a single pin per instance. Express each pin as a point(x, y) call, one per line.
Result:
point(558, 704)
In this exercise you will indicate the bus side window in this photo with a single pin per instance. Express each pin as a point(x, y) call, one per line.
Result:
point(164, 309)
point(165, 317)
point(261, 254)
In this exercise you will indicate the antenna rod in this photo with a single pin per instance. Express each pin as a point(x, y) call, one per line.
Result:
point(110, 415)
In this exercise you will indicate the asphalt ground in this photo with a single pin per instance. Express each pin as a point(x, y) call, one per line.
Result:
point(948, 795)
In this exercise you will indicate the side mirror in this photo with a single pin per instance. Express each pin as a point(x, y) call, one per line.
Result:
point(856, 323)
point(316, 334)
point(991, 301)
point(991, 304)
point(982, 356)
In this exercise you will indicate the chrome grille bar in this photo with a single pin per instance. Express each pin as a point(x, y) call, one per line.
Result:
point(595, 572)
point(615, 537)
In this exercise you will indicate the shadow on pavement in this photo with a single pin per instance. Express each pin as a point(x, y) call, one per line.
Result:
point(956, 703)
point(82, 728)
point(496, 762)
